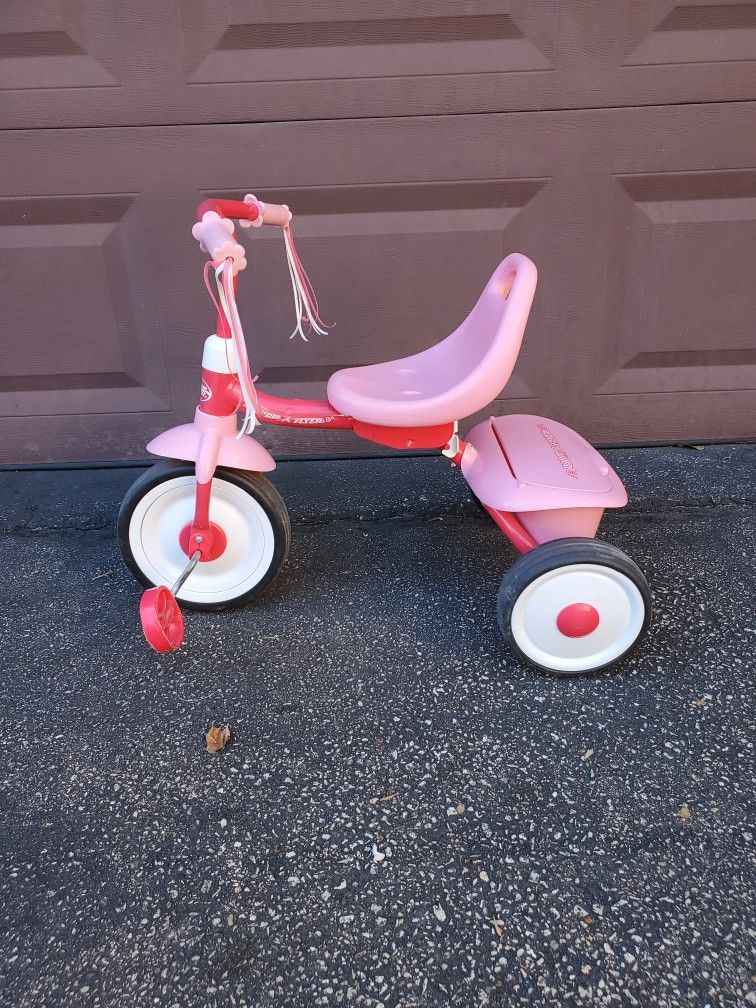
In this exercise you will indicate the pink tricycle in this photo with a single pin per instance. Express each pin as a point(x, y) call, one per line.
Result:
point(208, 522)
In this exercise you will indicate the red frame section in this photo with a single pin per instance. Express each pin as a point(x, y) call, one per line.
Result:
point(225, 399)
point(405, 438)
point(201, 533)
point(513, 529)
point(300, 413)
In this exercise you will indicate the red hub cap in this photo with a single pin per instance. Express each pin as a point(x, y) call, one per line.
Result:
point(577, 620)
point(217, 546)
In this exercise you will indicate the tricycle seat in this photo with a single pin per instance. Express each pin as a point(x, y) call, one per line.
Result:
point(454, 378)
point(528, 463)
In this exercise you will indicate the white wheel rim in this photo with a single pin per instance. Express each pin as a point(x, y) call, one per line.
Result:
point(613, 595)
point(165, 510)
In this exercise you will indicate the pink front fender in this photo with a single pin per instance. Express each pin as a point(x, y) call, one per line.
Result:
point(211, 441)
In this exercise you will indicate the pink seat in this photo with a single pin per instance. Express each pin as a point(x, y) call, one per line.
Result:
point(454, 378)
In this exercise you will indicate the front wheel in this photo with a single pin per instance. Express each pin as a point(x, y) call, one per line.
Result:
point(573, 605)
point(245, 505)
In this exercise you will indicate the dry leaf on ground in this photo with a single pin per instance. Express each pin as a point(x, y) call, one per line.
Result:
point(684, 812)
point(217, 737)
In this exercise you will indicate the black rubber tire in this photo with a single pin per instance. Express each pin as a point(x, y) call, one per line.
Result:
point(255, 484)
point(562, 553)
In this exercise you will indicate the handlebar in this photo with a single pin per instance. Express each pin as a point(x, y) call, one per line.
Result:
point(233, 209)
point(214, 229)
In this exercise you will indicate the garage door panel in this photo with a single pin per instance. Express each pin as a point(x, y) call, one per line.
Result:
point(81, 437)
point(56, 44)
point(79, 62)
point(659, 32)
point(681, 298)
point(397, 265)
point(83, 335)
point(675, 417)
point(269, 41)
point(400, 223)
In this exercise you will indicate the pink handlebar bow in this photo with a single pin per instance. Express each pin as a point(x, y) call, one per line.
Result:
point(216, 237)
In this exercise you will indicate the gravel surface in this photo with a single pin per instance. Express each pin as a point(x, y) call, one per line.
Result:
point(406, 815)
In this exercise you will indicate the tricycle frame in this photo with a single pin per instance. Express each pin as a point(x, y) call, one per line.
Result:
point(220, 402)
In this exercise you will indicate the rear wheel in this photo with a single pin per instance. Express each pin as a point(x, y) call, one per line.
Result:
point(246, 506)
point(573, 605)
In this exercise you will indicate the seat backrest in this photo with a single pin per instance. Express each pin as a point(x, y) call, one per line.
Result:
point(483, 350)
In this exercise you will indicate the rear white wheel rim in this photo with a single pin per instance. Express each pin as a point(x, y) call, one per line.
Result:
point(615, 597)
point(250, 540)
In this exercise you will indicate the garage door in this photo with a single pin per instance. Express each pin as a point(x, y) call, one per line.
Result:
point(417, 146)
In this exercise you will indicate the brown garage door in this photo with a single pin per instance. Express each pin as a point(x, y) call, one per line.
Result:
point(614, 144)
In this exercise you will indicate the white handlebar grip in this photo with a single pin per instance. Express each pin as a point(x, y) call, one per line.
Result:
point(277, 213)
point(270, 213)
point(214, 233)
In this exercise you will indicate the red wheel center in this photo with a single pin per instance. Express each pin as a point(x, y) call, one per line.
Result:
point(577, 620)
point(217, 547)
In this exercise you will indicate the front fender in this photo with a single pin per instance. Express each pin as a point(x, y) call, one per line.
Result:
point(212, 441)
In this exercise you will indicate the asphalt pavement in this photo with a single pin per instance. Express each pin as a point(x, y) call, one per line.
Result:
point(406, 816)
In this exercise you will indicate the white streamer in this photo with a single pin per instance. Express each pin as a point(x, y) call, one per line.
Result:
point(305, 306)
point(224, 276)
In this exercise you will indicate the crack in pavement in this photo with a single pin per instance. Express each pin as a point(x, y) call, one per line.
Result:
point(355, 517)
